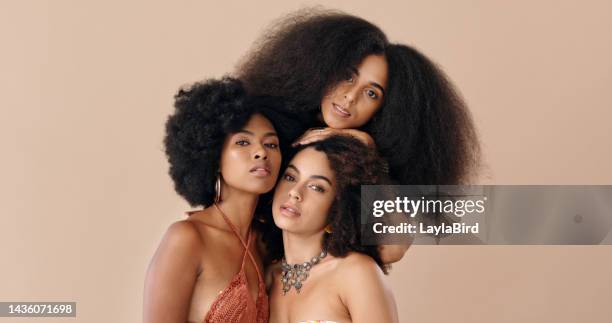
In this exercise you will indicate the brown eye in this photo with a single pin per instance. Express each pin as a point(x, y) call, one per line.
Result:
point(317, 188)
point(371, 94)
point(289, 178)
point(242, 142)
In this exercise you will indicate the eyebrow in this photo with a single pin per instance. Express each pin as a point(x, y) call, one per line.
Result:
point(267, 134)
point(313, 176)
point(374, 84)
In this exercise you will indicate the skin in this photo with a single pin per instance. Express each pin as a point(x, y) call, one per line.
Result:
point(362, 95)
point(308, 187)
point(198, 257)
point(351, 103)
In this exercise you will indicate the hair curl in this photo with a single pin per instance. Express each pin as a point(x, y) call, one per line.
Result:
point(354, 164)
point(205, 114)
point(423, 128)
point(303, 54)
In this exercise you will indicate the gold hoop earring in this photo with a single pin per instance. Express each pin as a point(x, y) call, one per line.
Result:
point(218, 189)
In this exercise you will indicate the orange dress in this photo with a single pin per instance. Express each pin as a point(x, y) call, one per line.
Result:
point(235, 303)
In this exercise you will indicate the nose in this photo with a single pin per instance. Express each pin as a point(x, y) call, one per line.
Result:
point(295, 194)
point(260, 153)
point(350, 94)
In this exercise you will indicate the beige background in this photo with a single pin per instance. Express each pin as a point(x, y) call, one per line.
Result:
point(87, 85)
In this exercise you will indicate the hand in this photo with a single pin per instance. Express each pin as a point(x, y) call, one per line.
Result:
point(318, 134)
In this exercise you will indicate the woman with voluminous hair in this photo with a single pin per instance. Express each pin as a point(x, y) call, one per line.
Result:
point(325, 274)
point(223, 147)
point(340, 72)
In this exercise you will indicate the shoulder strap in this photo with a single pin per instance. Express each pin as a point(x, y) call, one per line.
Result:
point(245, 245)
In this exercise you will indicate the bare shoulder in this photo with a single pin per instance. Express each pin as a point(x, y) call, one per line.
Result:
point(183, 235)
point(172, 274)
point(356, 264)
point(358, 267)
point(369, 300)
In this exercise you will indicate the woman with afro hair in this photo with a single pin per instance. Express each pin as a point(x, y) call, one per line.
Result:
point(340, 72)
point(224, 150)
point(317, 205)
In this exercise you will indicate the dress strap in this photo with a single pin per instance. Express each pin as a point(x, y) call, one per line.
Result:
point(245, 245)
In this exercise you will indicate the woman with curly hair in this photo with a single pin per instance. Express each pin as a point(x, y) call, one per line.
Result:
point(339, 71)
point(315, 204)
point(224, 152)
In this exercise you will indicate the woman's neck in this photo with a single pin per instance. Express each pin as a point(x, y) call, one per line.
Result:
point(300, 248)
point(239, 207)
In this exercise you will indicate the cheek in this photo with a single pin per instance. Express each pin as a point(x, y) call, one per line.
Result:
point(280, 197)
point(233, 159)
point(367, 110)
point(280, 191)
point(335, 92)
point(319, 207)
point(325, 205)
point(234, 165)
point(276, 158)
point(325, 102)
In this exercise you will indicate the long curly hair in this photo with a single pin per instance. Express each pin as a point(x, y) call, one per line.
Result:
point(423, 129)
point(305, 53)
point(205, 114)
point(354, 164)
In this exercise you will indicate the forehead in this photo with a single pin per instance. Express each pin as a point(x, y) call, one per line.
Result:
point(373, 68)
point(258, 123)
point(312, 162)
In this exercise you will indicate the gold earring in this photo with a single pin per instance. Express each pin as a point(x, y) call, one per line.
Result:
point(328, 229)
point(218, 189)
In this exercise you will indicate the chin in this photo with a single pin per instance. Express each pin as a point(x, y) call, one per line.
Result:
point(261, 188)
point(282, 222)
point(335, 123)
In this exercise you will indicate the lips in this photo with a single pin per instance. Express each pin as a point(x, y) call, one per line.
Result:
point(341, 111)
point(261, 170)
point(289, 210)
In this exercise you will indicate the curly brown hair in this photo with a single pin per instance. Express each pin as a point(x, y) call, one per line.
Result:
point(205, 114)
point(354, 164)
point(424, 129)
point(305, 53)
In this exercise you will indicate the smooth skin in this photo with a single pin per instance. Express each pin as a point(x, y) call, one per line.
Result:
point(198, 257)
point(362, 95)
point(302, 200)
point(351, 103)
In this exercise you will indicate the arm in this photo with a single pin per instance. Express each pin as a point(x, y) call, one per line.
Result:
point(171, 275)
point(370, 300)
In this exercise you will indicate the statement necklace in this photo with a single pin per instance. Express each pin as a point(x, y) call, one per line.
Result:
point(295, 275)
